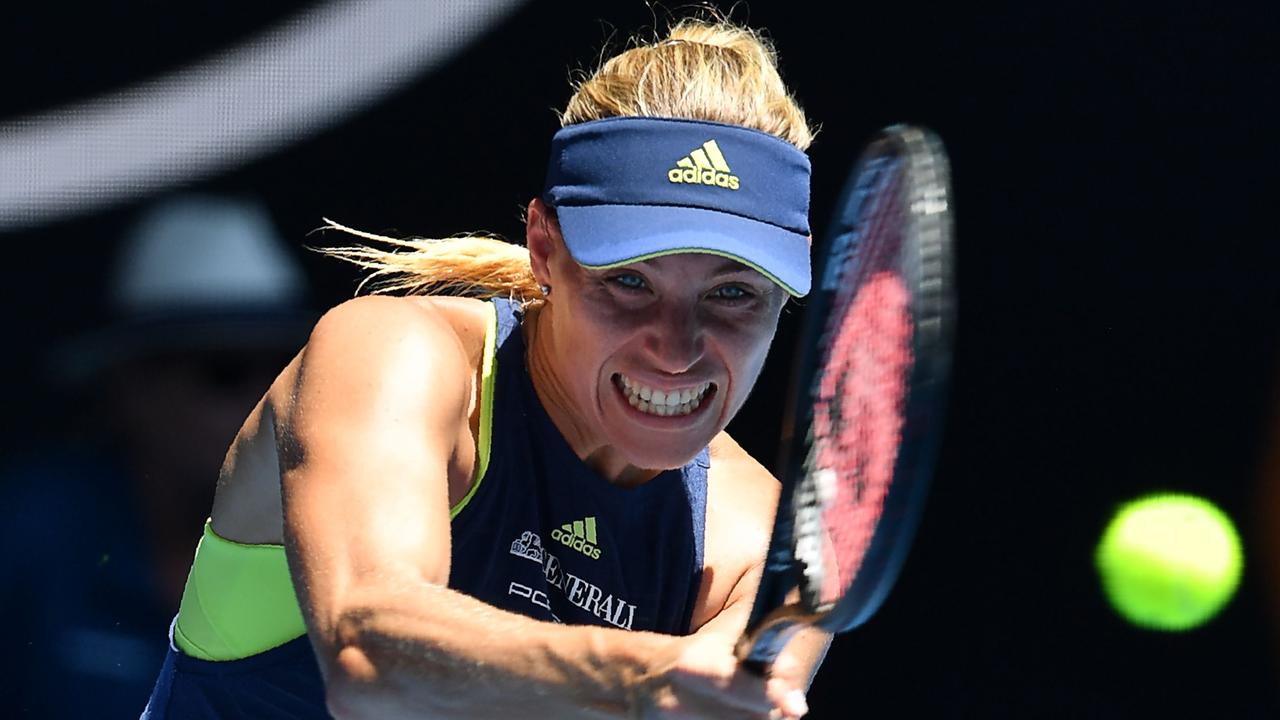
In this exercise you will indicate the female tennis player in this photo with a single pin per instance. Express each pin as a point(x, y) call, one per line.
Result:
point(515, 498)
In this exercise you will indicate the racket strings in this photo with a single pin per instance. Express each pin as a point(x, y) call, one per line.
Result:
point(859, 398)
point(873, 370)
point(883, 231)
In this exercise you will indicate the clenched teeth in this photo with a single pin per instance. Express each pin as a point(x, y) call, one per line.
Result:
point(680, 401)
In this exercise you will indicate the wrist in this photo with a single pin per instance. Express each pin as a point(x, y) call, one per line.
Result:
point(624, 663)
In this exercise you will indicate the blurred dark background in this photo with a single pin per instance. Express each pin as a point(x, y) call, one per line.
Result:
point(1115, 181)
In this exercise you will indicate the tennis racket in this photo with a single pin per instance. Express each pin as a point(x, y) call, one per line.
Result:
point(874, 360)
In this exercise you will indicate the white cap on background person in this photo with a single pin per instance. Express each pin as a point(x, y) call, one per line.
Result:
point(195, 273)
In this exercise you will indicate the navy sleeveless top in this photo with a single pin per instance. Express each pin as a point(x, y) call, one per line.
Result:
point(541, 535)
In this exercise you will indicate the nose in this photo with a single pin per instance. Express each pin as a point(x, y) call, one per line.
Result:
point(675, 339)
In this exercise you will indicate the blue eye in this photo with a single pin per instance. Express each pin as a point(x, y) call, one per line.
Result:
point(630, 281)
point(731, 292)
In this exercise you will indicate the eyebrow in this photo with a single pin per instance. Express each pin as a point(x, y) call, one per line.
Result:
point(726, 266)
point(730, 267)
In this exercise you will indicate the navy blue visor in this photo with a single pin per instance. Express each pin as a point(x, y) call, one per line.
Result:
point(632, 188)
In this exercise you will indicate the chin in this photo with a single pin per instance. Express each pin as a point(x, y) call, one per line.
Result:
point(658, 455)
point(645, 447)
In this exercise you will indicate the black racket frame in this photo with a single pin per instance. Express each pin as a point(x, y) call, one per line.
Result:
point(927, 269)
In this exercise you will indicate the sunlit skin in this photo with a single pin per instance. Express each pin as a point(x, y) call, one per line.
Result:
point(390, 449)
point(669, 322)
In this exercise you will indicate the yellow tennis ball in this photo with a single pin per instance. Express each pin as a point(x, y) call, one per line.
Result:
point(1169, 561)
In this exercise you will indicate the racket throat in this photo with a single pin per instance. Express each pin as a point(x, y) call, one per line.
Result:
point(759, 649)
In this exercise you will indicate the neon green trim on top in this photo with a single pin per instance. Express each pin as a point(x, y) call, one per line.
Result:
point(239, 601)
point(704, 251)
point(488, 372)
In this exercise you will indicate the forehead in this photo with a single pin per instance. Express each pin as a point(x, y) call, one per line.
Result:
point(697, 264)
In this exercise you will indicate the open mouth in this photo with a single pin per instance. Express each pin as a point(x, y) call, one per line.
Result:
point(663, 403)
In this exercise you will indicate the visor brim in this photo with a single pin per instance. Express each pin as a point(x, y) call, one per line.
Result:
point(600, 236)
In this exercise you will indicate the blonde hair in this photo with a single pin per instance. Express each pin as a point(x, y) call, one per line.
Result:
point(704, 69)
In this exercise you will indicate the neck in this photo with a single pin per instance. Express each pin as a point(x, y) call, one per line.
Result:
point(548, 383)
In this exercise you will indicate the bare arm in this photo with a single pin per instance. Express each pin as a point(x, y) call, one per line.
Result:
point(797, 665)
point(370, 434)
point(742, 498)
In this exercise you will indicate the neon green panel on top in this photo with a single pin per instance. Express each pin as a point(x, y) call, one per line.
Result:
point(488, 372)
point(239, 599)
point(238, 602)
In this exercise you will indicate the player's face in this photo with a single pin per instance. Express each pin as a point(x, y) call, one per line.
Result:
point(658, 356)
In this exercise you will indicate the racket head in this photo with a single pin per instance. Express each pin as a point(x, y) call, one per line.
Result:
point(874, 358)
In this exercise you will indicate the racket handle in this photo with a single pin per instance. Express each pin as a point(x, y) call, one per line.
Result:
point(758, 648)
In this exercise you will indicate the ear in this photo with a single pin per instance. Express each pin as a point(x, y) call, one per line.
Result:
point(542, 237)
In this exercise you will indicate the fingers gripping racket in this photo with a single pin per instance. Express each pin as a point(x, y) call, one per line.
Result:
point(861, 438)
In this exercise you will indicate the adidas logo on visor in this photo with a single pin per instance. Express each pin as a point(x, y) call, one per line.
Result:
point(704, 166)
point(579, 535)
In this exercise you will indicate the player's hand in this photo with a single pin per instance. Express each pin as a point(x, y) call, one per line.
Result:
point(785, 684)
point(699, 677)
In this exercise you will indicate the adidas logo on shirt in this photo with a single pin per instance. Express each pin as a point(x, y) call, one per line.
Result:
point(579, 535)
point(704, 166)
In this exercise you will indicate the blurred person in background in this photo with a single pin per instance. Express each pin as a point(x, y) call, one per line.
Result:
point(206, 304)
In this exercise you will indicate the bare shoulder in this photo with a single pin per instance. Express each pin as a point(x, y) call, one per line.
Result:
point(374, 356)
point(741, 497)
point(747, 485)
point(380, 339)
point(377, 324)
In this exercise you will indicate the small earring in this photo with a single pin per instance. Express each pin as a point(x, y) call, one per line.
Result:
point(546, 290)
